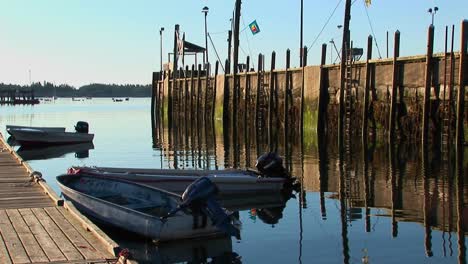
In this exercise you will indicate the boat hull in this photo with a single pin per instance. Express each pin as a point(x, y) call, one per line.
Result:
point(36, 137)
point(51, 129)
point(129, 216)
point(229, 182)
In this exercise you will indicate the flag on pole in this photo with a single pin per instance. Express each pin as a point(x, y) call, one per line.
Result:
point(254, 27)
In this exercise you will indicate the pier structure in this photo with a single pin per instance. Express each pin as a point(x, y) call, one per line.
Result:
point(420, 97)
point(18, 97)
point(37, 226)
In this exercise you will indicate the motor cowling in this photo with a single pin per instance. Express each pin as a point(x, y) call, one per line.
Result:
point(200, 195)
point(199, 190)
point(270, 164)
point(82, 127)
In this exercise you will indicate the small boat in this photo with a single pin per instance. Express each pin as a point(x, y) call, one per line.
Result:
point(147, 211)
point(38, 137)
point(271, 177)
point(55, 151)
point(9, 128)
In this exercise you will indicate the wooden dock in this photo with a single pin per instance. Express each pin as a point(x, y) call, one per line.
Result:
point(36, 226)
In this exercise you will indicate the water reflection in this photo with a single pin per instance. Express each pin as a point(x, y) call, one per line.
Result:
point(49, 152)
point(401, 182)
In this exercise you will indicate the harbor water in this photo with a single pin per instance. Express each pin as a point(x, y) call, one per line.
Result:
point(378, 204)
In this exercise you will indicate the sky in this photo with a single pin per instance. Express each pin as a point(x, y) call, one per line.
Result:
point(78, 42)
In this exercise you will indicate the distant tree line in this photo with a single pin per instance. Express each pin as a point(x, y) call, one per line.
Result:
point(47, 89)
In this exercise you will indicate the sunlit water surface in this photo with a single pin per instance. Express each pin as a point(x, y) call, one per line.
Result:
point(390, 205)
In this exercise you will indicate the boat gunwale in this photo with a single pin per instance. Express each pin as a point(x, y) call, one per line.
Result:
point(62, 185)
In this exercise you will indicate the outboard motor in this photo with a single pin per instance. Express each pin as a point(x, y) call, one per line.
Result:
point(270, 164)
point(82, 127)
point(201, 195)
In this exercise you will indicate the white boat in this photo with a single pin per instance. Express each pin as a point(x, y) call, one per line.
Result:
point(35, 137)
point(9, 128)
point(228, 181)
point(150, 212)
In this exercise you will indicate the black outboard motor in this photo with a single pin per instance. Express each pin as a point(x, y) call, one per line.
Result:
point(270, 164)
point(201, 195)
point(82, 127)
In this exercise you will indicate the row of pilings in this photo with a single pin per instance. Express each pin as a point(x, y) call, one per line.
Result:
point(417, 98)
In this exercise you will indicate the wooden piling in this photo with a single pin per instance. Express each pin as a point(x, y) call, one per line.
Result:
point(259, 86)
point(271, 98)
point(226, 97)
point(153, 97)
point(287, 94)
point(304, 64)
point(427, 87)
point(461, 91)
point(393, 100)
point(199, 92)
point(205, 104)
point(323, 94)
point(365, 112)
point(192, 92)
point(186, 94)
point(247, 95)
point(215, 87)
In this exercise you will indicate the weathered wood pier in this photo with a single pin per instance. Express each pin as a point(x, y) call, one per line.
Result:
point(418, 98)
point(36, 226)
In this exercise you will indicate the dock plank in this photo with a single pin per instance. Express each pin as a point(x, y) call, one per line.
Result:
point(85, 248)
point(70, 252)
point(4, 255)
point(32, 247)
point(43, 238)
point(12, 241)
point(88, 235)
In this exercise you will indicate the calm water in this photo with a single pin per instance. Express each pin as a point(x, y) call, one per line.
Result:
point(386, 205)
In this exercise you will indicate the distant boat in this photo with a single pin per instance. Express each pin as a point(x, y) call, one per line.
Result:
point(9, 128)
point(126, 99)
point(137, 208)
point(37, 137)
point(117, 100)
point(55, 151)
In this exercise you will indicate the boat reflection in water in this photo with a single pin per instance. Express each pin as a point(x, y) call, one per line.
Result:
point(207, 250)
point(55, 151)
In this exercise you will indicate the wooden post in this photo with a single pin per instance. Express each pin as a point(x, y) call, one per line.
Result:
point(365, 116)
point(170, 84)
point(235, 101)
point(207, 79)
point(192, 92)
point(199, 92)
point(186, 93)
point(270, 101)
point(226, 97)
point(247, 94)
point(229, 49)
point(393, 100)
point(174, 73)
point(153, 97)
point(259, 86)
point(344, 49)
point(427, 87)
point(304, 64)
point(323, 94)
point(287, 94)
point(461, 91)
point(215, 87)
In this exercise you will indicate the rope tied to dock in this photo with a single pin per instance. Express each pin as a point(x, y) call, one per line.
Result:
point(36, 177)
point(124, 254)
